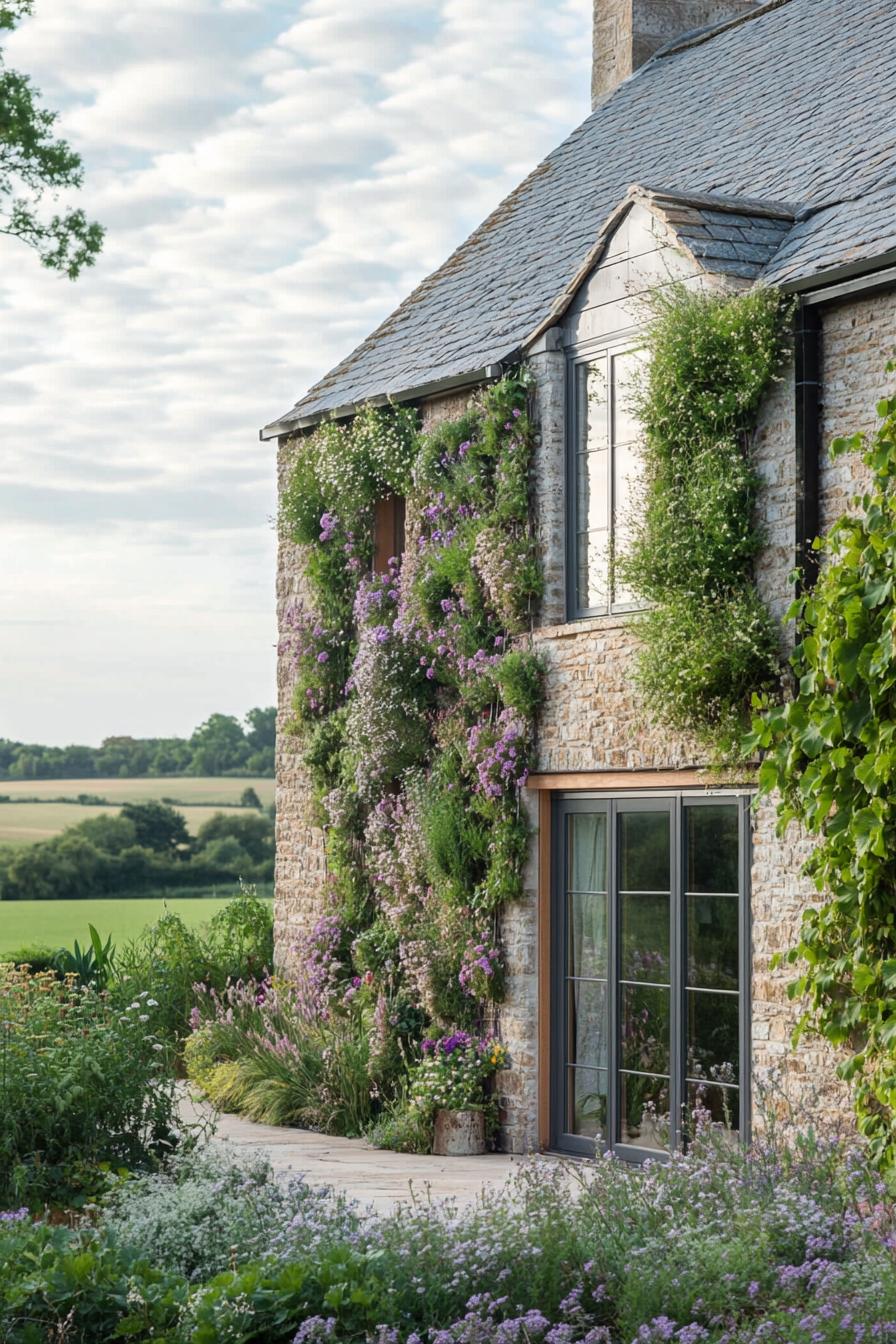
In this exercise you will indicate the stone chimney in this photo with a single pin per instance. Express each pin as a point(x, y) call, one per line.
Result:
point(628, 32)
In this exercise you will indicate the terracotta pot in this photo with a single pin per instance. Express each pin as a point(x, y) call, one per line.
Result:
point(459, 1134)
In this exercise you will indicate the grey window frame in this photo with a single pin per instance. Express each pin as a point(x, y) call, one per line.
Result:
point(614, 804)
point(619, 344)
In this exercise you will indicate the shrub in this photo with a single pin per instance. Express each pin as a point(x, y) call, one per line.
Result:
point(169, 959)
point(254, 833)
point(403, 1128)
point(207, 1211)
point(83, 1082)
point(33, 958)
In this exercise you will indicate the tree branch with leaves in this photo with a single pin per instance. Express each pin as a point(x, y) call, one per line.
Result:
point(36, 167)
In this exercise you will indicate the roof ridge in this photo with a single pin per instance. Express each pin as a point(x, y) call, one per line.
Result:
point(720, 201)
point(698, 36)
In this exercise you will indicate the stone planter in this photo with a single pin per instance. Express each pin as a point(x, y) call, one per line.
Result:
point(459, 1134)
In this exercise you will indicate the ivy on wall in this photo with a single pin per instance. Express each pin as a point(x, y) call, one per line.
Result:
point(831, 753)
point(415, 698)
point(708, 642)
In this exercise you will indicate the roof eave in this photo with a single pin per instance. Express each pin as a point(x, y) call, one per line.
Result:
point(840, 281)
point(489, 373)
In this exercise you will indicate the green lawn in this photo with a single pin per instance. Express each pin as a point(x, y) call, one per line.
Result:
point(55, 924)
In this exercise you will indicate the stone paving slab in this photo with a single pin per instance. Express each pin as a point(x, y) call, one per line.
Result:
point(371, 1175)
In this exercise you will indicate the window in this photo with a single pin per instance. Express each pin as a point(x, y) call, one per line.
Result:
point(388, 532)
point(604, 471)
point(649, 973)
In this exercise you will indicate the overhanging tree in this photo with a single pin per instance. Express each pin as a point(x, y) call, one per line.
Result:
point(36, 167)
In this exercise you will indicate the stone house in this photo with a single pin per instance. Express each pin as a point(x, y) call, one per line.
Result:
point(731, 144)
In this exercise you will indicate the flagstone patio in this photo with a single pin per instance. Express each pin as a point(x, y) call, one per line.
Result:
point(370, 1175)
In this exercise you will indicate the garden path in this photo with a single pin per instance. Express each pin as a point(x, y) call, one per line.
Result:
point(370, 1175)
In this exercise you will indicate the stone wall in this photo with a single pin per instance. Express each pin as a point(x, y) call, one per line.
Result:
point(594, 720)
point(858, 339)
point(300, 873)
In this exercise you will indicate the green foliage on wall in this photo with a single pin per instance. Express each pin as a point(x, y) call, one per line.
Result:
point(708, 642)
point(416, 695)
point(831, 752)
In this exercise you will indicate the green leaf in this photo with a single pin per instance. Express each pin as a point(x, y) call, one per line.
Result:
point(877, 592)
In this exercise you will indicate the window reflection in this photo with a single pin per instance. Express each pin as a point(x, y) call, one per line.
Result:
point(651, 967)
point(587, 1006)
point(608, 471)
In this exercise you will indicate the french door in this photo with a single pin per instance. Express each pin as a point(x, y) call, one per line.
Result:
point(650, 971)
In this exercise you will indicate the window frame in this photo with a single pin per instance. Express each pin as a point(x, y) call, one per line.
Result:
point(620, 344)
point(614, 805)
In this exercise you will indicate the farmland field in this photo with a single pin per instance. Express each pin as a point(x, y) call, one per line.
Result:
point(184, 788)
point(53, 924)
point(23, 823)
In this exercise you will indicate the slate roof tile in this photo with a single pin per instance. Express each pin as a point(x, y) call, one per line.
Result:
point(795, 104)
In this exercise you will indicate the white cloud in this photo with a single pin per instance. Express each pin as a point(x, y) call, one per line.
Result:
point(274, 178)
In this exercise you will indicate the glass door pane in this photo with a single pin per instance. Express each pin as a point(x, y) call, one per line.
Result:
point(586, 961)
point(645, 993)
point(712, 983)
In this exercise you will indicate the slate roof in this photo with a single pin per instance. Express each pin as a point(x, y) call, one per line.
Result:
point(794, 104)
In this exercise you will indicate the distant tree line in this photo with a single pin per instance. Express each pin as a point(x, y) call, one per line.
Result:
point(220, 746)
point(146, 847)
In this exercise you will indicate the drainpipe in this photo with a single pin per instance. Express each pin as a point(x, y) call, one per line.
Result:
point(807, 360)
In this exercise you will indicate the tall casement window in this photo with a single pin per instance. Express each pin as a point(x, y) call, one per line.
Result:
point(650, 970)
point(603, 471)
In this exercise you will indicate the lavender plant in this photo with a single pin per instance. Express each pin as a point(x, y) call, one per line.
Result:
point(792, 1244)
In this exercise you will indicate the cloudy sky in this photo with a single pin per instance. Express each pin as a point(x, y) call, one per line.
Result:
point(273, 178)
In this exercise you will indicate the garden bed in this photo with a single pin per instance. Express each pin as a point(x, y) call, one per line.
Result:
point(793, 1246)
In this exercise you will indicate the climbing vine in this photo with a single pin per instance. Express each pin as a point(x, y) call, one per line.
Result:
point(416, 696)
point(831, 754)
point(708, 642)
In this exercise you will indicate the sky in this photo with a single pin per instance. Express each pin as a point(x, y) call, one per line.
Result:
point(273, 178)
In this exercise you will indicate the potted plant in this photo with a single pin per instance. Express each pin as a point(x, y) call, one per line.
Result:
point(449, 1084)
